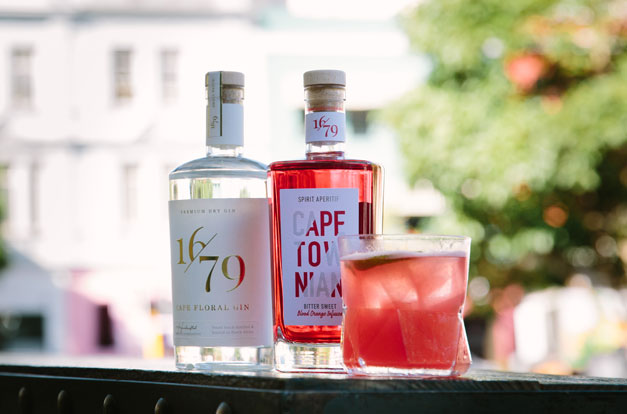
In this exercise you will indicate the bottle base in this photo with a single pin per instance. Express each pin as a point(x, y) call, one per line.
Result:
point(374, 371)
point(223, 358)
point(299, 357)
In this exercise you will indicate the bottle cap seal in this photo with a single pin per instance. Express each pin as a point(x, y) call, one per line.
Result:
point(228, 78)
point(324, 77)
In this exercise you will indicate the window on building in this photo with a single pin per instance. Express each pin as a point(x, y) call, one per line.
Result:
point(122, 87)
point(34, 188)
point(23, 332)
point(4, 193)
point(105, 327)
point(169, 75)
point(299, 119)
point(21, 77)
point(130, 188)
point(358, 121)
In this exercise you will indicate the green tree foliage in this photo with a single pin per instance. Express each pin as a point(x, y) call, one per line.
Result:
point(522, 124)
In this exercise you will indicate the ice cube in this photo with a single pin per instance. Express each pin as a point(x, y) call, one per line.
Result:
point(374, 336)
point(362, 288)
point(430, 338)
point(440, 282)
point(400, 291)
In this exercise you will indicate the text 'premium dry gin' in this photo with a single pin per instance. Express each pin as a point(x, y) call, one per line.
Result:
point(313, 201)
point(220, 248)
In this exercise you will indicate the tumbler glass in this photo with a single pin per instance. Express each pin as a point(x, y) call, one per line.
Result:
point(403, 298)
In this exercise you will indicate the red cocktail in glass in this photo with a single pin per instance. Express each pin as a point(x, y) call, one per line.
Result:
point(403, 301)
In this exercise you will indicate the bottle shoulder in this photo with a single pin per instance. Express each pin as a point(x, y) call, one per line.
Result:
point(220, 166)
point(323, 164)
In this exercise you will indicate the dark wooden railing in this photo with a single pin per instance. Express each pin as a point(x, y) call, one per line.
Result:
point(32, 388)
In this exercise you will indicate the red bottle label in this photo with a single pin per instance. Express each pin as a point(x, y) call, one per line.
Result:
point(311, 221)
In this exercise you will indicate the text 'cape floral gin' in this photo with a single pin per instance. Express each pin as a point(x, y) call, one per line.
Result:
point(313, 201)
point(220, 248)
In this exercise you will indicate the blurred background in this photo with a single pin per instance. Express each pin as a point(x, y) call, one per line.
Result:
point(505, 121)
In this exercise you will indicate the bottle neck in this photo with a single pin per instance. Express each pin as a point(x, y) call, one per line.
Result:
point(325, 122)
point(225, 150)
point(225, 118)
point(318, 151)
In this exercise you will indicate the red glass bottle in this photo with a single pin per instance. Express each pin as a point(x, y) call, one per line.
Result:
point(313, 201)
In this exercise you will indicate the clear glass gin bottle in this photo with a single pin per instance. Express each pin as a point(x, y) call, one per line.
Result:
point(219, 238)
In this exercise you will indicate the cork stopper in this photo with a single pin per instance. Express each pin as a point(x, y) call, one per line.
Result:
point(324, 77)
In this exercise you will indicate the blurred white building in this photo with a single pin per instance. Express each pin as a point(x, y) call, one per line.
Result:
point(99, 100)
point(574, 327)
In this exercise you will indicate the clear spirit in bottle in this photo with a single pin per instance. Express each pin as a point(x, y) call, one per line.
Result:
point(220, 248)
point(313, 201)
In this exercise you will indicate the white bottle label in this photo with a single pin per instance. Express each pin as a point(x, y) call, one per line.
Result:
point(325, 126)
point(311, 220)
point(221, 287)
point(225, 122)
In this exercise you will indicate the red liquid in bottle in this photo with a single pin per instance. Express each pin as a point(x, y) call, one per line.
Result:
point(318, 174)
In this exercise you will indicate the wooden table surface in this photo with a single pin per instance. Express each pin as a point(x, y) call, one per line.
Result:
point(112, 385)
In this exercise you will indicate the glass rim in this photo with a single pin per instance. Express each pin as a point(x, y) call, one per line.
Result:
point(408, 236)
